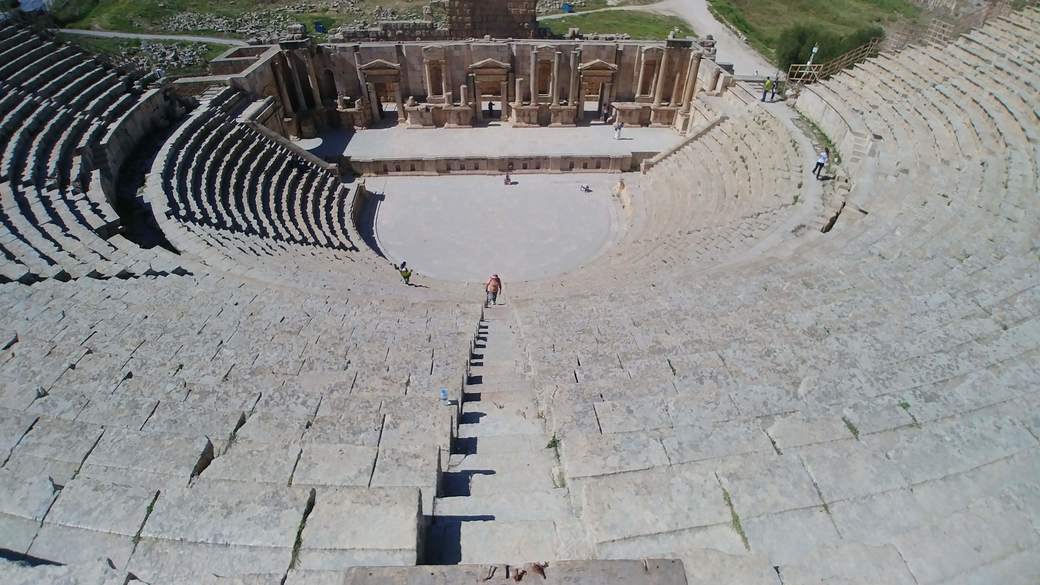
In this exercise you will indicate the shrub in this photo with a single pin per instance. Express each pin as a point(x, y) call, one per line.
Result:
point(796, 42)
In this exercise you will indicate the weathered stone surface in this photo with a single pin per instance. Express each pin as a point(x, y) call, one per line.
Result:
point(335, 465)
point(763, 484)
point(146, 459)
point(56, 447)
point(591, 455)
point(634, 572)
point(93, 519)
point(25, 501)
point(651, 502)
point(99, 572)
point(339, 531)
point(251, 462)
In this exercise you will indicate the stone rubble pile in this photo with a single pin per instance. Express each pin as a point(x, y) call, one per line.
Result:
point(260, 23)
point(150, 55)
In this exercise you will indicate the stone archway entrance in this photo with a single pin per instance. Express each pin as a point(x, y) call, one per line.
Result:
point(490, 81)
point(596, 84)
point(382, 81)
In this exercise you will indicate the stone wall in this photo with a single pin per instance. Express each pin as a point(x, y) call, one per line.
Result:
point(504, 19)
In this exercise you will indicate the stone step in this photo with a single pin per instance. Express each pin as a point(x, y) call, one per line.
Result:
point(501, 414)
point(499, 445)
point(489, 474)
point(494, 541)
point(598, 572)
point(535, 505)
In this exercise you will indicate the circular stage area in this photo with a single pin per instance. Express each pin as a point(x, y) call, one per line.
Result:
point(463, 228)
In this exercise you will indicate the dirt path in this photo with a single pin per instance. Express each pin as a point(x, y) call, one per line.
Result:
point(107, 34)
point(731, 48)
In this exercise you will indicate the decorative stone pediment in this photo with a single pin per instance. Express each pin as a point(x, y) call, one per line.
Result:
point(433, 52)
point(490, 65)
point(597, 65)
point(380, 70)
point(597, 69)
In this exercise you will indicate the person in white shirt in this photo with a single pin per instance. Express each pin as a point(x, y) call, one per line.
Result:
point(821, 162)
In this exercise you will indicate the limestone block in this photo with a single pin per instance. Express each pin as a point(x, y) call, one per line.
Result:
point(787, 537)
point(268, 427)
point(591, 455)
point(651, 502)
point(763, 484)
point(118, 410)
point(339, 531)
point(56, 447)
point(161, 560)
point(853, 563)
point(677, 544)
point(432, 428)
point(877, 414)
point(705, 406)
point(25, 501)
point(595, 572)
point(848, 469)
point(362, 429)
point(249, 461)
point(194, 420)
point(146, 459)
point(93, 519)
point(335, 465)
point(13, 425)
point(939, 449)
point(99, 572)
point(988, 531)
point(875, 519)
point(407, 467)
point(632, 415)
point(797, 429)
point(710, 567)
point(289, 401)
point(691, 443)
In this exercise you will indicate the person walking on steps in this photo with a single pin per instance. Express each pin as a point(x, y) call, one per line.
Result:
point(406, 274)
point(772, 90)
point(492, 288)
point(768, 87)
point(821, 162)
point(618, 127)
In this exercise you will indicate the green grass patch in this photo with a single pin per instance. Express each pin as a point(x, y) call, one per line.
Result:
point(149, 16)
point(763, 21)
point(738, 527)
point(638, 25)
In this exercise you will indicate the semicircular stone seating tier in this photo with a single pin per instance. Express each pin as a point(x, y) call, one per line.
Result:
point(241, 201)
point(858, 406)
point(57, 105)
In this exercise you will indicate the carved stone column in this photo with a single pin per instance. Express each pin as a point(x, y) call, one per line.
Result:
point(534, 76)
point(691, 81)
point(428, 77)
point(445, 82)
point(283, 94)
point(659, 81)
point(642, 73)
point(673, 100)
point(312, 75)
point(555, 79)
point(399, 102)
point(373, 99)
point(572, 88)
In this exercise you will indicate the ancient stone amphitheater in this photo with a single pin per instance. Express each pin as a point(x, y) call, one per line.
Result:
point(766, 379)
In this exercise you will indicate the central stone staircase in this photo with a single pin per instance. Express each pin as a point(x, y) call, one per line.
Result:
point(504, 499)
